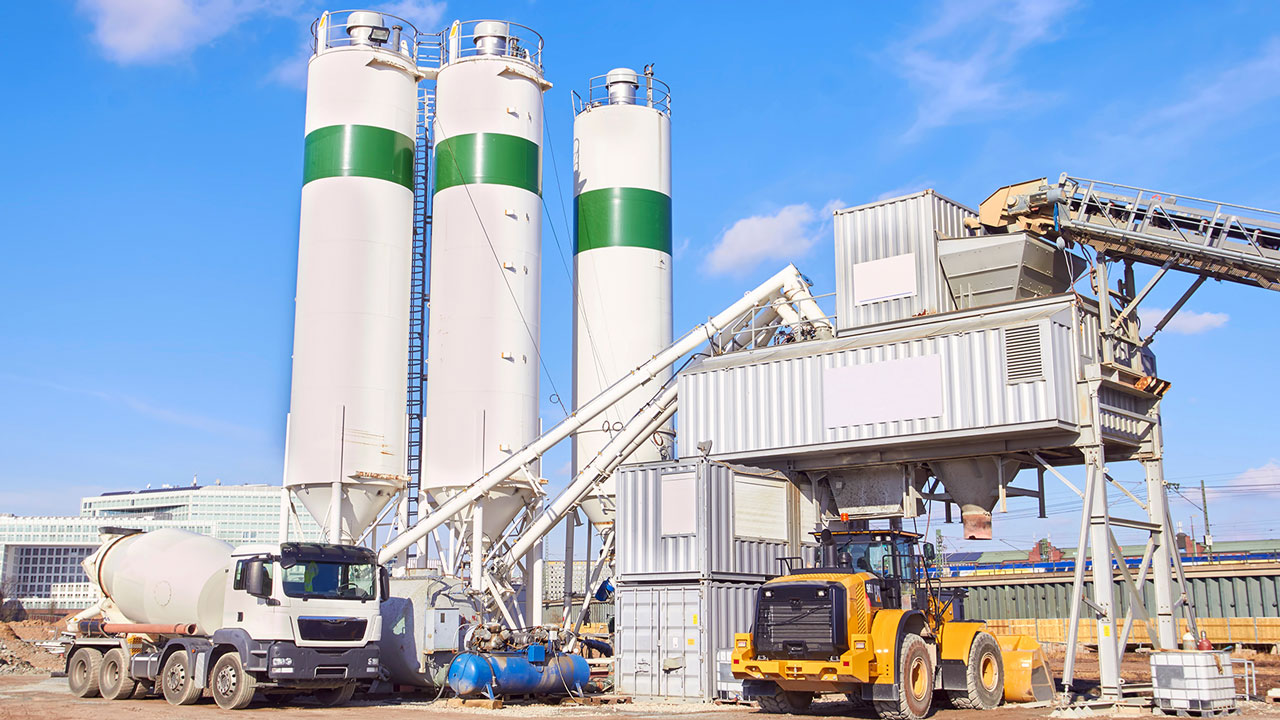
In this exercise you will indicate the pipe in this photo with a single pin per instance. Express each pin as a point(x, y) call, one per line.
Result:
point(149, 629)
point(788, 281)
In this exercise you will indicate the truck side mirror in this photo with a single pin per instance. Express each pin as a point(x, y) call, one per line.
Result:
point(257, 581)
point(384, 583)
point(929, 552)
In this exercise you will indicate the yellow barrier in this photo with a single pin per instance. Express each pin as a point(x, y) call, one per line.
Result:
point(1252, 631)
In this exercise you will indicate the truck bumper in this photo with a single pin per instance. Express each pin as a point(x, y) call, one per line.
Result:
point(288, 663)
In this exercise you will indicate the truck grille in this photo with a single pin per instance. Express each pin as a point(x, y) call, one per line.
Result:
point(331, 628)
point(804, 621)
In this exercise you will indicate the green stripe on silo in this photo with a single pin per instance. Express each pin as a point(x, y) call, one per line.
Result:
point(358, 151)
point(489, 158)
point(622, 217)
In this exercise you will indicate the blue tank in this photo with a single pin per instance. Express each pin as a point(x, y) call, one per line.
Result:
point(536, 671)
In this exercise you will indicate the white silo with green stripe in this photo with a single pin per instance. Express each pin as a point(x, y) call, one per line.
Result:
point(345, 446)
point(622, 254)
point(486, 262)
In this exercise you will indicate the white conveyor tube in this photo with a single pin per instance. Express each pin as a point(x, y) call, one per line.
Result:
point(788, 281)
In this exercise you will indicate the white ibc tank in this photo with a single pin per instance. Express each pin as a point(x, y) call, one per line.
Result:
point(347, 420)
point(165, 576)
point(486, 263)
point(622, 256)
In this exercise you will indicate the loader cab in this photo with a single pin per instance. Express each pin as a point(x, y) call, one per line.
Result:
point(890, 555)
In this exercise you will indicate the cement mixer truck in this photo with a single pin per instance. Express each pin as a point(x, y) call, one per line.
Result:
point(181, 614)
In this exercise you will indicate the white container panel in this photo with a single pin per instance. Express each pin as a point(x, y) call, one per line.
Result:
point(886, 233)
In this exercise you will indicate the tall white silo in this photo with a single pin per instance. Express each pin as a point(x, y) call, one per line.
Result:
point(486, 256)
point(345, 445)
point(622, 254)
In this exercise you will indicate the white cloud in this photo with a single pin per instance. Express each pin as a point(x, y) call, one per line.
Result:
point(1185, 322)
point(151, 31)
point(789, 233)
point(156, 31)
point(960, 64)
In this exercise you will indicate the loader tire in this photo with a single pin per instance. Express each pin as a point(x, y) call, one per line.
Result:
point(984, 676)
point(335, 696)
point(82, 672)
point(113, 676)
point(913, 685)
point(785, 702)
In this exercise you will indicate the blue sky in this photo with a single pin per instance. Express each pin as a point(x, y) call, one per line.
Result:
point(149, 202)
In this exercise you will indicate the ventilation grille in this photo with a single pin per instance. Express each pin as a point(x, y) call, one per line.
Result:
point(1022, 362)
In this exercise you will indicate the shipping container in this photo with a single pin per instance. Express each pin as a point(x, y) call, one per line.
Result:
point(887, 265)
point(669, 636)
point(1012, 375)
point(705, 520)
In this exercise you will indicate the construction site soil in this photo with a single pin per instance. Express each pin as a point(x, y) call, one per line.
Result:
point(28, 691)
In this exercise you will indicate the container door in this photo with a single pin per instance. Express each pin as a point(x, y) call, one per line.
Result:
point(682, 643)
point(639, 642)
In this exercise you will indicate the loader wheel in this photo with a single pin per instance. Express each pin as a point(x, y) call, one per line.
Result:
point(113, 676)
point(785, 701)
point(914, 686)
point(335, 696)
point(177, 680)
point(232, 688)
point(82, 675)
point(984, 676)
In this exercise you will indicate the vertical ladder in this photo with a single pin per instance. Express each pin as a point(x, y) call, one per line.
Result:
point(417, 375)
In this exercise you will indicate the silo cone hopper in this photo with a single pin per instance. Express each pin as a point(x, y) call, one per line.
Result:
point(362, 497)
point(974, 485)
point(501, 506)
point(991, 269)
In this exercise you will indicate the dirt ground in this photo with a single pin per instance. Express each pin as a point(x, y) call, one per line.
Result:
point(47, 698)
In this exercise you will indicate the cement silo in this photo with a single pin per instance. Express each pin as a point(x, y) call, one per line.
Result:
point(622, 254)
point(345, 447)
point(486, 256)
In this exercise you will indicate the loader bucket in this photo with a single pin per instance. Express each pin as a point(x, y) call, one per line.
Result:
point(1026, 672)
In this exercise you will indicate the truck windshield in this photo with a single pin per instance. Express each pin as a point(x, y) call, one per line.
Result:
point(331, 580)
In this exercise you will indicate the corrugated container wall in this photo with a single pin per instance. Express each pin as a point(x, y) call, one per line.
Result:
point(669, 637)
point(949, 374)
point(703, 520)
point(887, 258)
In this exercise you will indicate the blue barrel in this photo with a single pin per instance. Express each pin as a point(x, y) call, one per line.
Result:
point(533, 672)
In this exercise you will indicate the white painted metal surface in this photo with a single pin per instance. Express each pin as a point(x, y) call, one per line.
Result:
point(165, 576)
point(346, 428)
point(622, 290)
point(482, 390)
point(887, 258)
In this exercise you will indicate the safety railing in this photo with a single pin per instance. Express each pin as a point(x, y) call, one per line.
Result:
point(364, 28)
point(491, 38)
point(625, 88)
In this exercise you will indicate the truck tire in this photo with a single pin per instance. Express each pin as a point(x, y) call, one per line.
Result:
point(232, 688)
point(82, 672)
point(335, 696)
point(113, 676)
point(785, 701)
point(984, 676)
point(914, 684)
point(177, 681)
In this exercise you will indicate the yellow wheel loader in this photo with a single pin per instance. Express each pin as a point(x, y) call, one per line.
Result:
point(871, 624)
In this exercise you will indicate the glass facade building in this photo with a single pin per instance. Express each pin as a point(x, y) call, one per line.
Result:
point(40, 556)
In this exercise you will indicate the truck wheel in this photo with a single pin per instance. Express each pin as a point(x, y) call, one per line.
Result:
point(785, 701)
point(177, 681)
point(232, 688)
point(335, 696)
point(914, 684)
point(984, 676)
point(82, 675)
point(113, 676)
